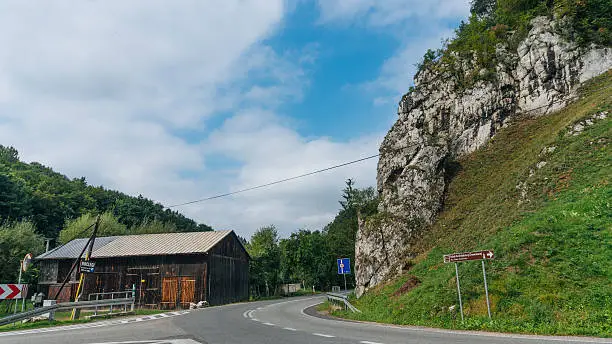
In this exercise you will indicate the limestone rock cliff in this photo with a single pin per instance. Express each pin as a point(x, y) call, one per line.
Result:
point(438, 123)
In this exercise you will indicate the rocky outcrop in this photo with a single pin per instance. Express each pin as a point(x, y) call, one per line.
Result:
point(438, 123)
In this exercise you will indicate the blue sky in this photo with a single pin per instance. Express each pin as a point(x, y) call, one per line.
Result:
point(182, 100)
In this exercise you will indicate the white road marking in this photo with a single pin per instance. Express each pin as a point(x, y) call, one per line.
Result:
point(254, 319)
point(165, 341)
point(289, 329)
point(305, 308)
point(92, 325)
point(368, 342)
point(323, 335)
point(269, 324)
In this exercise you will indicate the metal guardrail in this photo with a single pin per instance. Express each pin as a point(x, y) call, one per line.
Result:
point(341, 298)
point(64, 306)
point(109, 295)
point(112, 295)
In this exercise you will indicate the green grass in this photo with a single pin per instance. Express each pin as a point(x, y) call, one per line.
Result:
point(553, 268)
point(41, 324)
point(63, 318)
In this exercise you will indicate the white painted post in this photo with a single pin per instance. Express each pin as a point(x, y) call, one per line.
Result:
point(459, 291)
point(51, 314)
point(133, 296)
point(19, 282)
point(96, 309)
point(484, 274)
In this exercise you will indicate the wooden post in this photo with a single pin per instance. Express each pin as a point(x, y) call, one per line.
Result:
point(76, 312)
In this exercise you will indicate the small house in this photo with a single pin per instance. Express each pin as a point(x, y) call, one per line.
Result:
point(168, 270)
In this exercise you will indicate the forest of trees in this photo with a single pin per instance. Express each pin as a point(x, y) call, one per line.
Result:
point(37, 203)
point(309, 257)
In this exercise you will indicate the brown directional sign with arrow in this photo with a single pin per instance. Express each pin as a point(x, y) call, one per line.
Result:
point(465, 256)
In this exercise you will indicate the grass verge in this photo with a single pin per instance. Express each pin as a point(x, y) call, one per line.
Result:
point(63, 318)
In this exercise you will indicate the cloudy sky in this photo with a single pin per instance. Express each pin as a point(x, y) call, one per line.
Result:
point(180, 100)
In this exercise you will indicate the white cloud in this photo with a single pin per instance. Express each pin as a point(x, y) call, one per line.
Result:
point(389, 12)
point(165, 59)
point(270, 150)
point(101, 89)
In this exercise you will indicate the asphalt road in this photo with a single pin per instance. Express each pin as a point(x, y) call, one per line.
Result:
point(264, 322)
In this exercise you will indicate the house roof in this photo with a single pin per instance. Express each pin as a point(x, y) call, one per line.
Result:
point(141, 245)
point(160, 244)
point(73, 248)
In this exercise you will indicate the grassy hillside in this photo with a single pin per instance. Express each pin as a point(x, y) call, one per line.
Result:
point(540, 196)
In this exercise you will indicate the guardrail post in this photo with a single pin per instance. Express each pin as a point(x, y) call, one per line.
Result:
point(133, 296)
point(96, 309)
point(51, 314)
point(111, 306)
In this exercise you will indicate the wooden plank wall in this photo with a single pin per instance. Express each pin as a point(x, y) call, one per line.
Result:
point(228, 272)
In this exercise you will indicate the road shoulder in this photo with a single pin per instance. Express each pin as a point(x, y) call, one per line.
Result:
point(312, 311)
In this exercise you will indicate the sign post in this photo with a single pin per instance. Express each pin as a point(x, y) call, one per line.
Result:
point(18, 282)
point(459, 291)
point(25, 264)
point(484, 275)
point(344, 267)
point(468, 256)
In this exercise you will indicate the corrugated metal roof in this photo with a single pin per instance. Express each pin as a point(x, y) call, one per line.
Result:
point(160, 244)
point(72, 249)
point(141, 245)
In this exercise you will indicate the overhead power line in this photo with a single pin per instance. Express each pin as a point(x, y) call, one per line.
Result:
point(275, 182)
point(333, 167)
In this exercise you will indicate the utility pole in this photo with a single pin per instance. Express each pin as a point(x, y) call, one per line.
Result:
point(47, 244)
point(75, 312)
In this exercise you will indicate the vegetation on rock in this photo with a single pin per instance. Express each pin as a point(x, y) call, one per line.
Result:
point(506, 22)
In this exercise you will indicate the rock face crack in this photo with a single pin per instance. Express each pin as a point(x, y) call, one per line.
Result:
point(438, 123)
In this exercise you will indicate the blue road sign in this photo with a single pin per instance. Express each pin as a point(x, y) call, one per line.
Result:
point(344, 266)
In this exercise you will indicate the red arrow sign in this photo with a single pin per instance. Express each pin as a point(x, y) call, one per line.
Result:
point(15, 291)
point(11, 291)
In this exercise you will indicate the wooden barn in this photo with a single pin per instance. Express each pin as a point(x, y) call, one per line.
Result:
point(169, 270)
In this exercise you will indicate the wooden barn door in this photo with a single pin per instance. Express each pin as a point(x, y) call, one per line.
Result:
point(169, 291)
point(173, 286)
point(187, 290)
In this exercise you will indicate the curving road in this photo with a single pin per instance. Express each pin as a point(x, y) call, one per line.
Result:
point(261, 322)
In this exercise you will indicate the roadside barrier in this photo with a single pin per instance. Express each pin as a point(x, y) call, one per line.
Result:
point(65, 306)
point(341, 298)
